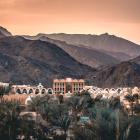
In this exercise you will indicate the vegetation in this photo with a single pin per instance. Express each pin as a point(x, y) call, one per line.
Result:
point(108, 119)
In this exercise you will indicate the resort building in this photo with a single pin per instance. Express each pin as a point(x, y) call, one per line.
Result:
point(68, 85)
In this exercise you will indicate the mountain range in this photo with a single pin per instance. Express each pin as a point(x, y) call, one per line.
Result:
point(103, 42)
point(125, 74)
point(31, 61)
point(90, 57)
point(103, 61)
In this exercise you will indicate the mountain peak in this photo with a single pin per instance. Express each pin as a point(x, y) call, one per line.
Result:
point(4, 31)
point(2, 35)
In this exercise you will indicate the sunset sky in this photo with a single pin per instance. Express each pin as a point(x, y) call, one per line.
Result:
point(30, 17)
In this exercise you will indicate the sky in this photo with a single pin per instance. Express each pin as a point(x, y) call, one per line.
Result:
point(30, 17)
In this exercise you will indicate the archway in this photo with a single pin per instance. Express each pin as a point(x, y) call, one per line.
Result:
point(24, 91)
point(30, 91)
point(49, 91)
point(36, 91)
point(43, 91)
point(119, 90)
point(18, 91)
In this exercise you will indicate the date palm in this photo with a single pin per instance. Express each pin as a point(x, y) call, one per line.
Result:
point(137, 108)
point(36, 102)
point(134, 130)
point(131, 99)
point(3, 91)
point(46, 112)
point(106, 124)
point(77, 104)
point(63, 122)
point(12, 121)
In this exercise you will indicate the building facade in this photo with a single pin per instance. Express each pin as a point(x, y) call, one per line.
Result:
point(68, 85)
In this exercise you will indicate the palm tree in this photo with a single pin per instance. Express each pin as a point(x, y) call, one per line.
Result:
point(59, 110)
point(46, 99)
point(12, 121)
point(63, 122)
point(77, 104)
point(105, 124)
point(137, 108)
point(134, 130)
point(3, 90)
point(46, 112)
point(36, 103)
point(131, 99)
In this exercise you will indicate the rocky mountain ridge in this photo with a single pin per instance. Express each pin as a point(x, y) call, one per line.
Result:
point(103, 42)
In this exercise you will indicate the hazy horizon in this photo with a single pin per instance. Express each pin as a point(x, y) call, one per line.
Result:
point(115, 17)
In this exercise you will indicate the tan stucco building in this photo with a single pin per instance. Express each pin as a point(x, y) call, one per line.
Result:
point(68, 85)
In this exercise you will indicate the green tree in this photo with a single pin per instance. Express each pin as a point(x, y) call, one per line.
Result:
point(12, 122)
point(131, 99)
point(77, 104)
point(46, 112)
point(105, 123)
point(36, 102)
point(63, 122)
point(3, 91)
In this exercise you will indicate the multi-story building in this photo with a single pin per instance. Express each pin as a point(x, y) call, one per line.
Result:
point(68, 84)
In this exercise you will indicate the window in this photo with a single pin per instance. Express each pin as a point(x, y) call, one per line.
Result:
point(74, 89)
point(63, 89)
point(63, 84)
point(79, 84)
point(55, 84)
point(74, 84)
point(82, 84)
point(68, 85)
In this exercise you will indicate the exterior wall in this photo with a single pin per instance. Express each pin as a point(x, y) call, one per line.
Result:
point(77, 86)
point(59, 87)
point(72, 85)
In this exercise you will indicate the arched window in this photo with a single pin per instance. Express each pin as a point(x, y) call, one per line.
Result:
point(55, 84)
point(118, 92)
point(74, 84)
point(30, 91)
point(18, 91)
point(50, 91)
point(24, 91)
point(43, 91)
point(63, 84)
point(36, 91)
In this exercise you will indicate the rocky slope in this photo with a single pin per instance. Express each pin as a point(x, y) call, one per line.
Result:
point(90, 57)
point(125, 74)
point(4, 31)
point(118, 55)
point(25, 61)
point(103, 41)
point(2, 35)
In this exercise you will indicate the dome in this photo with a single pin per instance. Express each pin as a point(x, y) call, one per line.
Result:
point(135, 87)
point(28, 100)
